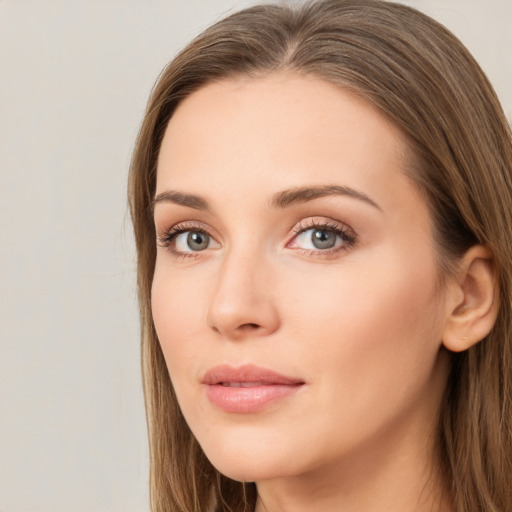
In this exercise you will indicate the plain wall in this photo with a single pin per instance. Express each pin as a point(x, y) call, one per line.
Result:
point(74, 79)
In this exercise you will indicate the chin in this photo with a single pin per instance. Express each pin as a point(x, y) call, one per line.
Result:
point(243, 470)
point(248, 460)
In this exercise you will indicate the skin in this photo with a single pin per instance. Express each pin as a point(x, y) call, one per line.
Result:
point(361, 325)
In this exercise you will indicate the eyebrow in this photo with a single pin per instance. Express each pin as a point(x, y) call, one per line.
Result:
point(180, 198)
point(282, 199)
point(304, 194)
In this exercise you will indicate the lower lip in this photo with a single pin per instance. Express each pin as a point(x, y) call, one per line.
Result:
point(247, 400)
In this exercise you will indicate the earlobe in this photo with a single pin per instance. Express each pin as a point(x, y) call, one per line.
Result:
point(474, 303)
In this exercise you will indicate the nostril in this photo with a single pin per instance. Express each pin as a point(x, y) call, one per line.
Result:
point(250, 326)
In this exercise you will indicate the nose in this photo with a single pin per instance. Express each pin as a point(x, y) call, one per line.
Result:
point(242, 304)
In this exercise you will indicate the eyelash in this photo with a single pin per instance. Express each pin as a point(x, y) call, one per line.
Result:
point(168, 238)
point(347, 235)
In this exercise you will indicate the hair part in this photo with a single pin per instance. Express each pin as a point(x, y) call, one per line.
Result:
point(424, 80)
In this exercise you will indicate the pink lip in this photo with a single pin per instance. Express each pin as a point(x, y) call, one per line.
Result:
point(247, 388)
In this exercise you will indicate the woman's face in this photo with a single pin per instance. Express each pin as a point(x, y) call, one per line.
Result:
point(296, 294)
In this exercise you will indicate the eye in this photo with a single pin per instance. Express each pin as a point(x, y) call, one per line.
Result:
point(317, 238)
point(185, 239)
point(192, 241)
point(322, 237)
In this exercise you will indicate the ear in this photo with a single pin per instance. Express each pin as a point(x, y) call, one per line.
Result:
point(473, 300)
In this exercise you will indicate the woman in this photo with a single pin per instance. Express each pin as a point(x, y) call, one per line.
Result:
point(321, 202)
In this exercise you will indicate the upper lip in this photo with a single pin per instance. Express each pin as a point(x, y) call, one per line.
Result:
point(247, 373)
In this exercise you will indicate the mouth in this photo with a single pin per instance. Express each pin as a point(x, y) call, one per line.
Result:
point(247, 388)
point(254, 384)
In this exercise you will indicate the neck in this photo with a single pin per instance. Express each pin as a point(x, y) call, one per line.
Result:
point(397, 483)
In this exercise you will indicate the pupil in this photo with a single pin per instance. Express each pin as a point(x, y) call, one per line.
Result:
point(323, 239)
point(198, 241)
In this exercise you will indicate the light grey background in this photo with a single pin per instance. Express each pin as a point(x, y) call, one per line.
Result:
point(74, 79)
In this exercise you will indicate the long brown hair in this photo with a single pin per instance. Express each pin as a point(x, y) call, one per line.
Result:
point(423, 79)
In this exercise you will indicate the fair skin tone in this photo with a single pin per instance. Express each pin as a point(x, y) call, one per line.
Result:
point(290, 238)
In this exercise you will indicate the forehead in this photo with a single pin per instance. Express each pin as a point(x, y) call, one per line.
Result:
point(278, 104)
point(279, 131)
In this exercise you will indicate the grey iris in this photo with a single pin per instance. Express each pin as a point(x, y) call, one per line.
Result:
point(323, 239)
point(198, 241)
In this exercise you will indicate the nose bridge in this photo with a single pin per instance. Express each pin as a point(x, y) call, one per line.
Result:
point(242, 300)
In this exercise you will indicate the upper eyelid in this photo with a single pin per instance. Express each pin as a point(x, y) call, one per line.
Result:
point(164, 234)
point(298, 227)
point(323, 222)
point(187, 225)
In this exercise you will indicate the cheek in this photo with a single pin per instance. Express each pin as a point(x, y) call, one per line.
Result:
point(179, 311)
point(363, 327)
